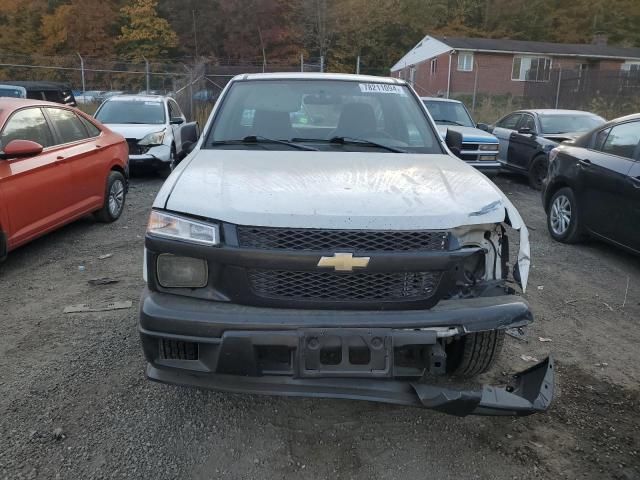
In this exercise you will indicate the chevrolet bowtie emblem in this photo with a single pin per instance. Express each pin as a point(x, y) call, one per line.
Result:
point(344, 262)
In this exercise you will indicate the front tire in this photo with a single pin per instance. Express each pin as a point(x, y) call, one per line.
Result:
point(538, 171)
point(474, 353)
point(114, 198)
point(563, 220)
point(166, 169)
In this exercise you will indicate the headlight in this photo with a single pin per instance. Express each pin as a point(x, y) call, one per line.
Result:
point(181, 272)
point(181, 228)
point(153, 139)
point(553, 154)
point(488, 146)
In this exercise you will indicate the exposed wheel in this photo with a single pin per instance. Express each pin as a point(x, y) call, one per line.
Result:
point(538, 171)
point(113, 199)
point(563, 220)
point(474, 353)
point(166, 169)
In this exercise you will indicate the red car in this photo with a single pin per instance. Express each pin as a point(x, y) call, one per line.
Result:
point(56, 165)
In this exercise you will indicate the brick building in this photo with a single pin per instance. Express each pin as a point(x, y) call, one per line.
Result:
point(447, 65)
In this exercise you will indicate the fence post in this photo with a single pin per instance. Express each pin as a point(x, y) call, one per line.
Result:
point(302, 62)
point(146, 69)
point(358, 65)
point(558, 88)
point(81, 71)
point(475, 88)
point(321, 63)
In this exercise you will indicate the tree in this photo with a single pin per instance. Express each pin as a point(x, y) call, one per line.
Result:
point(143, 32)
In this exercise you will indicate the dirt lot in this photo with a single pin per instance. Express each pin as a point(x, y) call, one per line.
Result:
point(74, 403)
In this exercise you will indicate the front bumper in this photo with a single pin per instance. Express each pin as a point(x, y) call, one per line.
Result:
point(486, 167)
point(155, 157)
point(229, 340)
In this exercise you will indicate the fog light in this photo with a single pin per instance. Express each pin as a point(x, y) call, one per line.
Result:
point(181, 272)
point(489, 158)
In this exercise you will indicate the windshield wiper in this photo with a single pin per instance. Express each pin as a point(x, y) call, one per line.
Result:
point(259, 139)
point(362, 141)
point(453, 122)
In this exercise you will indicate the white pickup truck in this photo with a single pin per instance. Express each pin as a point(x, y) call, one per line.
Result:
point(322, 240)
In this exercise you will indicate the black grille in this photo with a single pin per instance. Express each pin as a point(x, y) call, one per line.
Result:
point(135, 148)
point(350, 240)
point(330, 286)
point(470, 146)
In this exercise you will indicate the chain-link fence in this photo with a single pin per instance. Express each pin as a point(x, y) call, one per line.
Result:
point(195, 84)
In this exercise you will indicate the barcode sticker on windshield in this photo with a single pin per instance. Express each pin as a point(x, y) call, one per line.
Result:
point(381, 88)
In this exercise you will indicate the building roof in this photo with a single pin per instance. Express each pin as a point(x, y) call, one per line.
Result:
point(430, 47)
point(547, 48)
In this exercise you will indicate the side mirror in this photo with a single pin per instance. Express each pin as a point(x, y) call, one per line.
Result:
point(21, 149)
point(525, 130)
point(176, 121)
point(453, 140)
point(483, 126)
point(189, 133)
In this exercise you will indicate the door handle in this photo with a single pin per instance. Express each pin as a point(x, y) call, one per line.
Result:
point(585, 162)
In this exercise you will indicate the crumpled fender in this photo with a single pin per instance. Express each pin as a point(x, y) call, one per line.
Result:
point(513, 218)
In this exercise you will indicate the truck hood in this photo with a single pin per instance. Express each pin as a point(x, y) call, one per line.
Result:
point(348, 190)
point(136, 131)
point(469, 134)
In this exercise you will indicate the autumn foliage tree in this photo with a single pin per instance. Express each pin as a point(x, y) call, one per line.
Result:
point(144, 33)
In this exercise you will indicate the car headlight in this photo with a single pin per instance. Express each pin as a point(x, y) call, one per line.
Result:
point(488, 146)
point(181, 272)
point(553, 154)
point(155, 138)
point(181, 228)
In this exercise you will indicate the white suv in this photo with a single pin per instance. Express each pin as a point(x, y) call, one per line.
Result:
point(152, 125)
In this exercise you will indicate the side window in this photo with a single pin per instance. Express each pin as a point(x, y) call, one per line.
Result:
point(599, 139)
point(623, 140)
point(528, 122)
point(28, 124)
point(91, 128)
point(174, 110)
point(510, 121)
point(68, 125)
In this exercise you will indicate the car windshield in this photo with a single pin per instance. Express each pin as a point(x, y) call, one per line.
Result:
point(449, 113)
point(571, 122)
point(132, 111)
point(334, 115)
point(14, 92)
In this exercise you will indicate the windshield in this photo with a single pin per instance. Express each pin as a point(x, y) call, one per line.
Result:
point(14, 92)
point(449, 113)
point(132, 111)
point(315, 112)
point(574, 122)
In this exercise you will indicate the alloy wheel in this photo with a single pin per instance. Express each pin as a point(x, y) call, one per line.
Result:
point(116, 198)
point(560, 215)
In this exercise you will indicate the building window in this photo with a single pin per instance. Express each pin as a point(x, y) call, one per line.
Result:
point(412, 75)
point(531, 69)
point(465, 62)
point(630, 66)
point(434, 66)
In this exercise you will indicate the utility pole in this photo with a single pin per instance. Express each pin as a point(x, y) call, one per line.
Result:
point(81, 71)
point(195, 32)
point(358, 65)
point(147, 73)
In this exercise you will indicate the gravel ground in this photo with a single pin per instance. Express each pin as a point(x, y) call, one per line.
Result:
point(74, 403)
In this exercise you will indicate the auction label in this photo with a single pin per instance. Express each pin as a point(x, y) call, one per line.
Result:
point(381, 88)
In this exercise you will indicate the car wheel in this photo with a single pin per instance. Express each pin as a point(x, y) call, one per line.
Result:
point(474, 353)
point(114, 198)
point(538, 171)
point(563, 221)
point(166, 169)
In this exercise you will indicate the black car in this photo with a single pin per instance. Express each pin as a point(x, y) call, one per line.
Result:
point(593, 186)
point(48, 91)
point(527, 136)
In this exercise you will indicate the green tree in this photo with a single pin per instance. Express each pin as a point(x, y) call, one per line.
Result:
point(144, 32)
